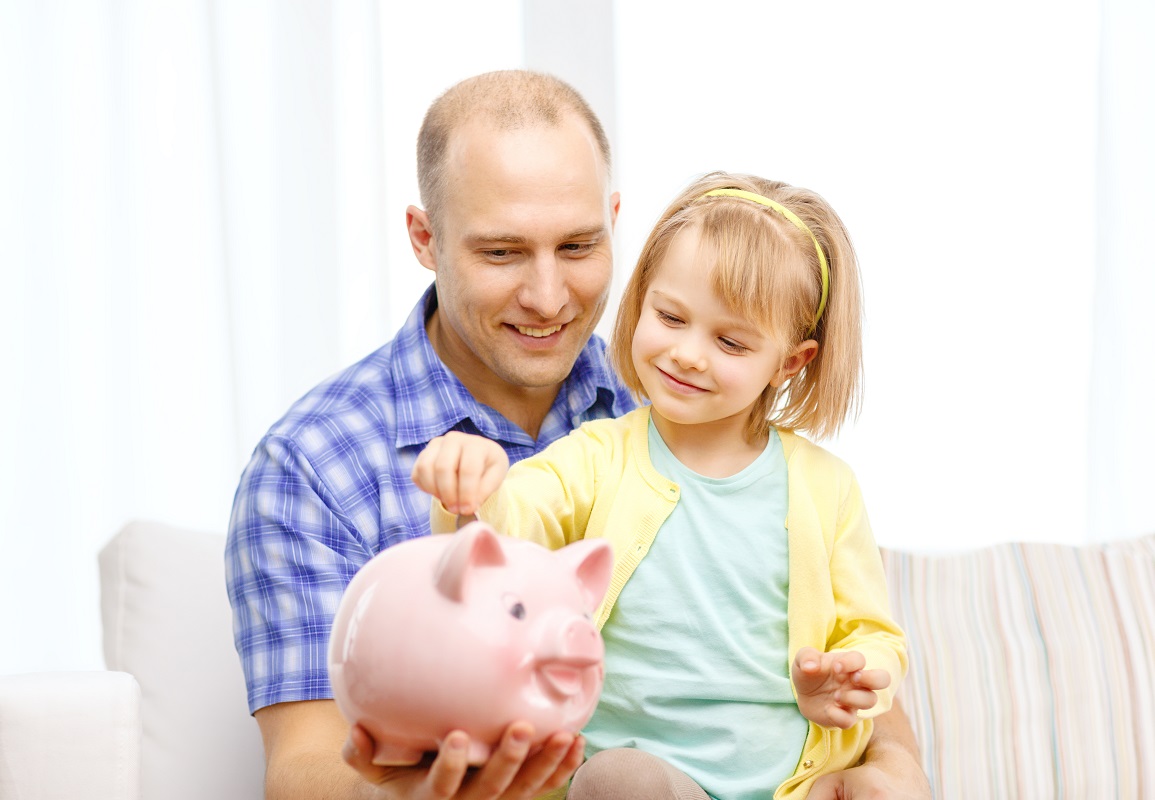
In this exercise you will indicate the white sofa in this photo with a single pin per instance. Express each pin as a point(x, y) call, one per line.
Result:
point(1032, 676)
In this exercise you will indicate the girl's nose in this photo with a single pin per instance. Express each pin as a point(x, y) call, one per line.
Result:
point(688, 357)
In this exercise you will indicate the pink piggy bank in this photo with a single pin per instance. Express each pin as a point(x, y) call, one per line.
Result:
point(469, 631)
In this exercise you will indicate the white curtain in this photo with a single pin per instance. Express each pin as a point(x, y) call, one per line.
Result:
point(201, 216)
point(201, 208)
point(1122, 392)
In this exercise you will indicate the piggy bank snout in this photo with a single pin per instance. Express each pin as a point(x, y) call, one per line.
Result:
point(572, 665)
point(573, 640)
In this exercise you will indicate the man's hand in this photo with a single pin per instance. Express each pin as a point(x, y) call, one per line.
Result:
point(833, 687)
point(890, 768)
point(305, 760)
point(863, 782)
point(460, 470)
point(510, 774)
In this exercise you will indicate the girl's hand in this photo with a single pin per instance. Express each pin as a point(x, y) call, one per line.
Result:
point(833, 687)
point(461, 470)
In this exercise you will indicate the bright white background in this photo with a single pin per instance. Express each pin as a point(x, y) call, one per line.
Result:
point(202, 207)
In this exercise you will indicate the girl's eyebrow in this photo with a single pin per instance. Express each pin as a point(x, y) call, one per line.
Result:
point(738, 325)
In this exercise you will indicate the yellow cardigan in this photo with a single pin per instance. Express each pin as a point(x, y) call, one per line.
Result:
point(599, 482)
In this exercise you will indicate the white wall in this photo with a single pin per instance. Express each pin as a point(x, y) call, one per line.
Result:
point(959, 146)
point(202, 208)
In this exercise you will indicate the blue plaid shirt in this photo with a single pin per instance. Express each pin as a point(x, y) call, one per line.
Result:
point(328, 488)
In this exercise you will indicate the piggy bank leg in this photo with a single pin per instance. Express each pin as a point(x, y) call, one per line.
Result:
point(390, 754)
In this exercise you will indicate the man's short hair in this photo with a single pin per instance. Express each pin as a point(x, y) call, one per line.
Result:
point(507, 99)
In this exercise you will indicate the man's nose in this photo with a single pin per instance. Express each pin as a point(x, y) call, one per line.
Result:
point(544, 289)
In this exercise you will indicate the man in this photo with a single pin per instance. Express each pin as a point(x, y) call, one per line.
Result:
point(514, 172)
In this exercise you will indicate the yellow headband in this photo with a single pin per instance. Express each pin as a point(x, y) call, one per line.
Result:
point(799, 224)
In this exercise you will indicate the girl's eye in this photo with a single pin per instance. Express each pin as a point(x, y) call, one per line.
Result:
point(669, 319)
point(732, 346)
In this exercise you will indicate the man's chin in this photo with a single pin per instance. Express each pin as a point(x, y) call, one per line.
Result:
point(542, 375)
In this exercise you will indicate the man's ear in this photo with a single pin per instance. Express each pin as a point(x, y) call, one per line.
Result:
point(421, 237)
point(799, 357)
point(615, 204)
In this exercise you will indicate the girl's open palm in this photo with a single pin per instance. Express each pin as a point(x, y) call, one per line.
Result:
point(833, 687)
point(461, 470)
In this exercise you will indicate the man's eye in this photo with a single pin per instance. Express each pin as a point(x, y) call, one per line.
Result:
point(576, 248)
point(497, 253)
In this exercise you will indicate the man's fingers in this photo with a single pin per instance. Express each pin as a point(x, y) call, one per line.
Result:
point(448, 769)
point(358, 749)
point(492, 780)
point(569, 763)
point(550, 767)
point(828, 787)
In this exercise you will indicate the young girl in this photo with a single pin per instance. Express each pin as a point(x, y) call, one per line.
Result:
point(747, 630)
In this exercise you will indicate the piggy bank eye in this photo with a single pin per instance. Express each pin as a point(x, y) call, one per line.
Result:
point(515, 607)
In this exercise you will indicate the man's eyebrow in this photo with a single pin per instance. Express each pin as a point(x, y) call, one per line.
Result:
point(495, 238)
point(594, 231)
point(586, 233)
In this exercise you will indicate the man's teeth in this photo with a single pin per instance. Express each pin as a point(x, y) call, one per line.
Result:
point(538, 332)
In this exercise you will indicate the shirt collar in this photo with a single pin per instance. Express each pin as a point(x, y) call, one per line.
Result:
point(431, 401)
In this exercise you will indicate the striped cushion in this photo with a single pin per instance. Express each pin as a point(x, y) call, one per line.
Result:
point(1032, 668)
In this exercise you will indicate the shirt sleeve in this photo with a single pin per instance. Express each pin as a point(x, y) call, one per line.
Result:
point(290, 554)
point(546, 498)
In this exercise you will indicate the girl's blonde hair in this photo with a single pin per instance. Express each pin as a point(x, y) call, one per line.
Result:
point(767, 270)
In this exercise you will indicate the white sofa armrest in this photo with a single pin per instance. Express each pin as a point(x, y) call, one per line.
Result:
point(70, 734)
point(167, 622)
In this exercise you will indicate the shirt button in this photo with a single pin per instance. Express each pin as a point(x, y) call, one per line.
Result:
point(807, 764)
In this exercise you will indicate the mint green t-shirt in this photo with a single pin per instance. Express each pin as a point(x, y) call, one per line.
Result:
point(697, 668)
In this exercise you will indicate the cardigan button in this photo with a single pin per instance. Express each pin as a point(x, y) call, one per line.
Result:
point(807, 764)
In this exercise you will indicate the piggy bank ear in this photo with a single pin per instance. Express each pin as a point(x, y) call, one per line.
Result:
point(475, 545)
point(592, 561)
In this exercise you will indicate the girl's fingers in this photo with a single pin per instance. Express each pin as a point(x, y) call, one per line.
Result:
point(856, 699)
point(873, 679)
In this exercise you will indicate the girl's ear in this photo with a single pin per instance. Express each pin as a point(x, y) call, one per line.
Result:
point(799, 357)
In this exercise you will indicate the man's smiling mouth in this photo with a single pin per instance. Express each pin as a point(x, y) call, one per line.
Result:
point(538, 333)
